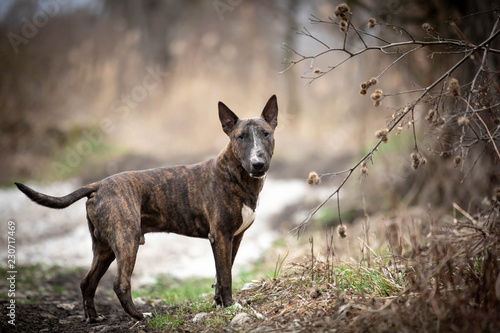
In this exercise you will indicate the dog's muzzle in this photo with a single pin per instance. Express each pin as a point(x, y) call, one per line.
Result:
point(258, 168)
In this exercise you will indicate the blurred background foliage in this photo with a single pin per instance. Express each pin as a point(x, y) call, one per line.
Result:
point(72, 67)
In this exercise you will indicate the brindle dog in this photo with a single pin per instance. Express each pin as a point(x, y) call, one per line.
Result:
point(215, 199)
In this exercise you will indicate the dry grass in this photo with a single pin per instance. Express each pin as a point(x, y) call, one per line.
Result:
point(437, 279)
point(446, 284)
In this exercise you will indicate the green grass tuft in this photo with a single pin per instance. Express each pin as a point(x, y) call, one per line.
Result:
point(173, 291)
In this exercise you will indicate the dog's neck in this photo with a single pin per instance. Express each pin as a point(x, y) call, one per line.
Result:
point(228, 166)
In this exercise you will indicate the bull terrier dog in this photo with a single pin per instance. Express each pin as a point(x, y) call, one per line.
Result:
point(215, 199)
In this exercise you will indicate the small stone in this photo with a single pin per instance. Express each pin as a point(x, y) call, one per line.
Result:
point(139, 301)
point(66, 306)
point(199, 317)
point(236, 305)
point(259, 315)
point(249, 286)
point(240, 318)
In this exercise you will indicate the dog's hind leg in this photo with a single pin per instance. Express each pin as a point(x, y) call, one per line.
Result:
point(126, 252)
point(103, 257)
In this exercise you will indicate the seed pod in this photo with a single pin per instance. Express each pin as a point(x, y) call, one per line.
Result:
point(341, 230)
point(463, 121)
point(372, 23)
point(454, 87)
point(314, 178)
point(343, 25)
point(427, 27)
point(342, 10)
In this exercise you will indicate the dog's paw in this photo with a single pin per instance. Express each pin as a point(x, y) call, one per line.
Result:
point(97, 319)
point(217, 301)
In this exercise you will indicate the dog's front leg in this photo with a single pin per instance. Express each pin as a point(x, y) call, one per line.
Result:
point(222, 249)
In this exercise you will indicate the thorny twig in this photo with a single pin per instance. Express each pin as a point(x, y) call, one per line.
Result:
point(387, 48)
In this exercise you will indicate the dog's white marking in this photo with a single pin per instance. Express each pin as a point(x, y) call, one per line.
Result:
point(255, 148)
point(248, 216)
point(254, 153)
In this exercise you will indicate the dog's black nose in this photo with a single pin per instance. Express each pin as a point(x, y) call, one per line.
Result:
point(258, 165)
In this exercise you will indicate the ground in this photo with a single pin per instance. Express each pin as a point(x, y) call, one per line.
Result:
point(61, 309)
point(302, 298)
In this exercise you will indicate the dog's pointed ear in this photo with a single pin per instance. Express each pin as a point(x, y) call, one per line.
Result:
point(270, 112)
point(227, 118)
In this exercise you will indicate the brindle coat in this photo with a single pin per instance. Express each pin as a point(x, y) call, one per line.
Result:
point(214, 199)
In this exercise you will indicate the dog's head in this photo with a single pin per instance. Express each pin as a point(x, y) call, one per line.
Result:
point(252, 140)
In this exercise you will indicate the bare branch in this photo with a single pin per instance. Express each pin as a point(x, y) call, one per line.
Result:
point(403, 49)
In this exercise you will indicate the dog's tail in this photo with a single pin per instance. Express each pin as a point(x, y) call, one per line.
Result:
point(58, 202)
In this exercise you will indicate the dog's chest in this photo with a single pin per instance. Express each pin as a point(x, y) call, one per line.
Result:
point(248, 216)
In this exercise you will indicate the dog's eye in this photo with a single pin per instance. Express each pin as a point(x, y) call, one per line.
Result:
point(266, 134)
point(241, 137)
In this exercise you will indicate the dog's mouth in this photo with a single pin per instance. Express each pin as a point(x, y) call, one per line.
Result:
point(258, 175)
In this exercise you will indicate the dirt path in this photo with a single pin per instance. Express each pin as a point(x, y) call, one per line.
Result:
point(63, 311)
